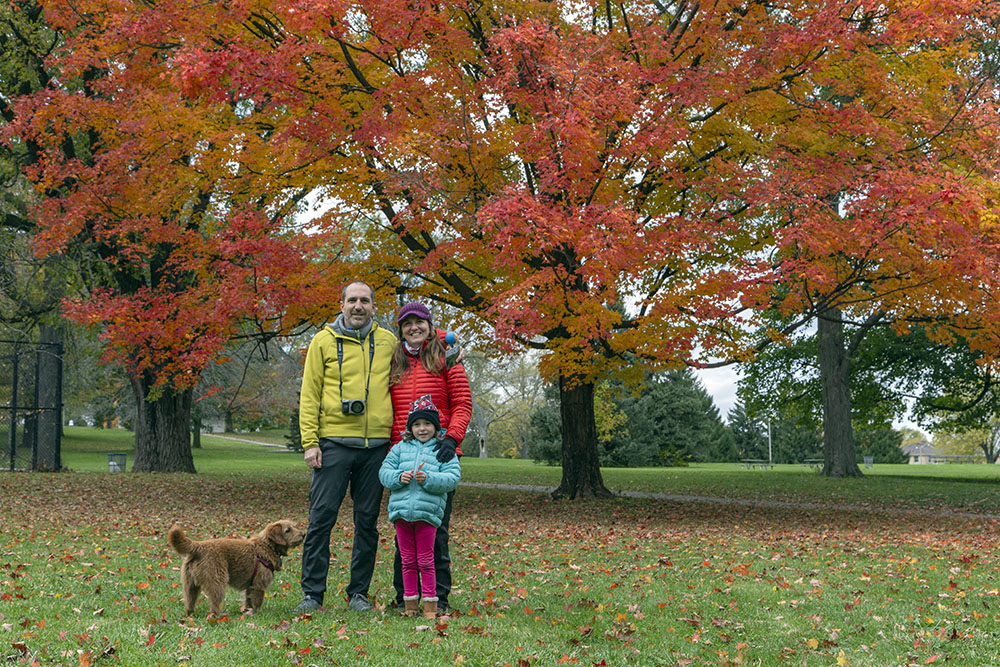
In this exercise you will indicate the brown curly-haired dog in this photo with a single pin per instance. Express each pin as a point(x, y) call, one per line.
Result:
point(247, 565)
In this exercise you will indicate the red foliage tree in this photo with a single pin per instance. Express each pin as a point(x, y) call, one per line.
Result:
point(605, 182)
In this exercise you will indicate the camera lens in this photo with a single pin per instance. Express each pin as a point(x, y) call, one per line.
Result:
point(357, 407)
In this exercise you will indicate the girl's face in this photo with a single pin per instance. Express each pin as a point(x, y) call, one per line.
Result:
point(422, 429)
point(415, 330)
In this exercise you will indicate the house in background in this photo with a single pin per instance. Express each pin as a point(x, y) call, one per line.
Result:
point(923, 453)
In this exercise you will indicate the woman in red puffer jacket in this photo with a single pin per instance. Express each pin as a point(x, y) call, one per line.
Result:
point(420, 366)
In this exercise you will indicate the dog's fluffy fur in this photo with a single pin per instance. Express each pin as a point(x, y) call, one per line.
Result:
point(248, 565)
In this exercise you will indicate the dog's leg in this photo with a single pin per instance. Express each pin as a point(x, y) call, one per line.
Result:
point(191, 590)
point(245, 606)
point(216, 594)
point(254, 599)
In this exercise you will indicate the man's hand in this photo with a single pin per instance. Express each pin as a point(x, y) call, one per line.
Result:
point(445, 448)
point(314, 458)
point(405, 476)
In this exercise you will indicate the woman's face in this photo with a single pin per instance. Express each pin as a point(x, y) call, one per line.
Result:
point(415, 330)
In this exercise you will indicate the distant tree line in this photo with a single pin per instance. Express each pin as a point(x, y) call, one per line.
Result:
point(671, 420)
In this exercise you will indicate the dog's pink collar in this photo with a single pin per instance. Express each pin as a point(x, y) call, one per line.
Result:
point(261, 561)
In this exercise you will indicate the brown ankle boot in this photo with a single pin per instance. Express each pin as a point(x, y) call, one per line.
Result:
point(411, 607)
point(430, 607)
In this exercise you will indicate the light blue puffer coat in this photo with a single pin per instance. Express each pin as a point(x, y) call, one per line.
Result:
point(414, 501)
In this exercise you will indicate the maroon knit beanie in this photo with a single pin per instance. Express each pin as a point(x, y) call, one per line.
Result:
point(416, 309)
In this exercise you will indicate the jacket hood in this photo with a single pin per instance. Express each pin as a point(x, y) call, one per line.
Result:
point(342, 329)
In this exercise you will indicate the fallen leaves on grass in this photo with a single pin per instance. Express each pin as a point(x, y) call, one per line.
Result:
point(589, 583)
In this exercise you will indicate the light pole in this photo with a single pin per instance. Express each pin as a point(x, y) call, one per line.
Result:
point(770, 459)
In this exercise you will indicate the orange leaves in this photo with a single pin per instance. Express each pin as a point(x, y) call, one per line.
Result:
point(597, 184)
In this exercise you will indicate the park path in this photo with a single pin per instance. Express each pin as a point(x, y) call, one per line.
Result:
point(760, 502)
point(252, 442)
point(722, 500)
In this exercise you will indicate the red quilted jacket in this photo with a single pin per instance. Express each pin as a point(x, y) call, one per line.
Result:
point(449, 391)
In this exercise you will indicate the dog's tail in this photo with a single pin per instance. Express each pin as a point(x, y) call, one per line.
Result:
point(180, 542)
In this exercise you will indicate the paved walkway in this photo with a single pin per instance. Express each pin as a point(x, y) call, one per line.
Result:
point(758, 502)
point(252, 442)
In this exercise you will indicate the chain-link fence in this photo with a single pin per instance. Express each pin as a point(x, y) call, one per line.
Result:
point(31, 404)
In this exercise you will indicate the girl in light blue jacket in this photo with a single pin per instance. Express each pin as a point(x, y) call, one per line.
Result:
point(418, 488)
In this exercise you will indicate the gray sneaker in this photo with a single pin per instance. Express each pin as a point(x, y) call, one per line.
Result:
point(359, 602)
point(307, 606)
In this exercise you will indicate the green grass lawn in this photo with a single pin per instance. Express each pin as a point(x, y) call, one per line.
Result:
point(86, 576)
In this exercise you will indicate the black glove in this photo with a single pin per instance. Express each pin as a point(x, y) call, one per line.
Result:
point(445, 449)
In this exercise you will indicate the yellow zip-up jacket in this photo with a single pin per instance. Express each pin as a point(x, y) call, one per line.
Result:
point(320, 413)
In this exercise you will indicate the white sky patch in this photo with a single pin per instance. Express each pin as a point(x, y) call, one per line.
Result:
point(721, 384)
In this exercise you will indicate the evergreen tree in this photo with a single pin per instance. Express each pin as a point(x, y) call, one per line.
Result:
point(672, 421)
point(882, 444)
point(749, 436)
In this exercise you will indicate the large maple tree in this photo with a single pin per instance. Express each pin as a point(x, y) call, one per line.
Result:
point(618, 184)
point(178, 252)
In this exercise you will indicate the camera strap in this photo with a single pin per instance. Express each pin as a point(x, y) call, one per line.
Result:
point(340, 363)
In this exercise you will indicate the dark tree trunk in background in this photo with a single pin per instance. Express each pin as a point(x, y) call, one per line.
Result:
point(581, 467)
point(835, 373)
point(196, 426)
point(49, 396)
point(162, 429)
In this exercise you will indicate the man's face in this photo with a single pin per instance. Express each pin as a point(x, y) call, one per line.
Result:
point(357, 305)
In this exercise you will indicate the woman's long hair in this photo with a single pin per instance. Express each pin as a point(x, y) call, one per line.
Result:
point(431, 356)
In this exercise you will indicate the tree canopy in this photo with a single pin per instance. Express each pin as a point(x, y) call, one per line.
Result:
point(608, 183)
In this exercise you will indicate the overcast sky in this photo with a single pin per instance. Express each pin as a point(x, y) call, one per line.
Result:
point(721, 384)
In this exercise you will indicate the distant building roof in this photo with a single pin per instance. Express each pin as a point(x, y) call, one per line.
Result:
point(921, 449)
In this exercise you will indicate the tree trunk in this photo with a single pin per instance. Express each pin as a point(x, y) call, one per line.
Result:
point(835, 373)
point(581, 467)
point(482, 447)
point(162, 429)
point(196, 426)
point(48, 388)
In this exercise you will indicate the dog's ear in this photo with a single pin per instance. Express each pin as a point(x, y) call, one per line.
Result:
point(277, 532)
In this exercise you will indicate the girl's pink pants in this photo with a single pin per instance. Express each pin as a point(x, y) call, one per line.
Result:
point(416, 550)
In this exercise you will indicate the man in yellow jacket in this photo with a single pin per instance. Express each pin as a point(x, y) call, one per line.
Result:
point(345, 418)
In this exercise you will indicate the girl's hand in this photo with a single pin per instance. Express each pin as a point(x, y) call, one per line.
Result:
point(421, 477)
point(405, 476)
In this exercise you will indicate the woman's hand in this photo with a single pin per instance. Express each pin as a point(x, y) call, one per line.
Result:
point(405, 476)
point(421, 477)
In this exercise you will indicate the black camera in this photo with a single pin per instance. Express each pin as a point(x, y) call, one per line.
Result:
point(352, 407)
